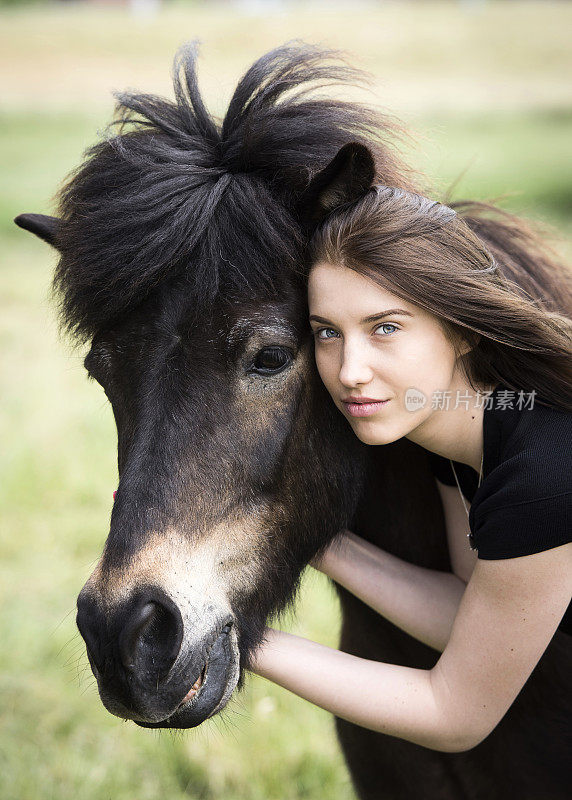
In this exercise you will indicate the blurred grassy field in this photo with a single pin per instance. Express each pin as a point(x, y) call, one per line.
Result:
point(487, 94)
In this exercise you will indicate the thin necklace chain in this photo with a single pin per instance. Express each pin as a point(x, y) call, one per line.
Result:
point(469, 535)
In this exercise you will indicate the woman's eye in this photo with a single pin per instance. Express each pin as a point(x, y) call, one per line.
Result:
point(325, 333)
point(386, 325)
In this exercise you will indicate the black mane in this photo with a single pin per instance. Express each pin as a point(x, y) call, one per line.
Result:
point(171, 191)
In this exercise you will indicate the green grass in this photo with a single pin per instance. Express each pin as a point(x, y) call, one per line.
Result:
point(423, 55)
point(524, 157)
point(497, 116)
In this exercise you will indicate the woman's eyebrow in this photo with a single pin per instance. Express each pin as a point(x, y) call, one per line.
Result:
point(372, 317)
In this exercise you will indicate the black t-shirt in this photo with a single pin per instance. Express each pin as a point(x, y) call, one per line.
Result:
point(524, 502)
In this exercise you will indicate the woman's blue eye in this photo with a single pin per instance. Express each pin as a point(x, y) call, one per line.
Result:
point(324, 333)
point(388, 325)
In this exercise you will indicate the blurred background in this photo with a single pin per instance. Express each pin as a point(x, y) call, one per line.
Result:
point(486, 90)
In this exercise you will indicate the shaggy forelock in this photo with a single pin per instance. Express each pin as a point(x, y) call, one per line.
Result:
point(171, 190)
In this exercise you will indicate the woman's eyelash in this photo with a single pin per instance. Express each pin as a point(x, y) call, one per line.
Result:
point(319, 331)
point(390, 324)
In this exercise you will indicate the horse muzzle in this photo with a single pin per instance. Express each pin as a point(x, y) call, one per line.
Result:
point(157, 665)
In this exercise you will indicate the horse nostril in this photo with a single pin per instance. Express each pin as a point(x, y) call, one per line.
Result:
point(134, 629)
point(151, 639)
point(88, 623)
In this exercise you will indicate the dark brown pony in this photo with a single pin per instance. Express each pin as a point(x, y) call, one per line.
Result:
point(182, 255)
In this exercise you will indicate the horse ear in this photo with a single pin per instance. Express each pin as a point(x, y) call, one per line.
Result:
point(347, 177)
point(47, 228)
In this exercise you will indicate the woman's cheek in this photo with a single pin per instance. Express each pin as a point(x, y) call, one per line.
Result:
point(426, 359)
point(326, 368)
point(320, 362)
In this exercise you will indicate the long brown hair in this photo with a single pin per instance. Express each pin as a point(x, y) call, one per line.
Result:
point(509, 299)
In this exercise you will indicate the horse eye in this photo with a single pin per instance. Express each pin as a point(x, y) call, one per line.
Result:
point(90, 364)
point(271, 360)
point(96, 363)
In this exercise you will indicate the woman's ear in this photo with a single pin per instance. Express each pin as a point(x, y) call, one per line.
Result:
point(465, 346)
point(346, 178)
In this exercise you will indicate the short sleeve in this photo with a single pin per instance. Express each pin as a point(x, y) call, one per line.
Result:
point(522, 529)
point(441, 469)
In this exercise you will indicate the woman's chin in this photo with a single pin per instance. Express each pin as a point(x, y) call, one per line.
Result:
point(371, 434)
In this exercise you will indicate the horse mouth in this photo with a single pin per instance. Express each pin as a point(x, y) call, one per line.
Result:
point(211, 690)
point(195, 689)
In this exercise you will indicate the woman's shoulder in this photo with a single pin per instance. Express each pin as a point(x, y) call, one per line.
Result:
point(524, 505)
point(535, 461)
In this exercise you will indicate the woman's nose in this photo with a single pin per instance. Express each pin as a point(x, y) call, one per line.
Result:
point(355, 368)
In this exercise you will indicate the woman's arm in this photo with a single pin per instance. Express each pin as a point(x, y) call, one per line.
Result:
point(422, 602)
point(507, 616)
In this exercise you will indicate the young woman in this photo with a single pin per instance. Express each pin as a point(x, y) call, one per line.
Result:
point(417, 334)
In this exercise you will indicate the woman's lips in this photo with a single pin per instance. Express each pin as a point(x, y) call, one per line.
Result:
point(364, 408)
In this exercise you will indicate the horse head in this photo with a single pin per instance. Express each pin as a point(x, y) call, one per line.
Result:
point(182, 257)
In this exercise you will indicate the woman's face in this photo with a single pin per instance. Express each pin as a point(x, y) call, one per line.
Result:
point(372, 345)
